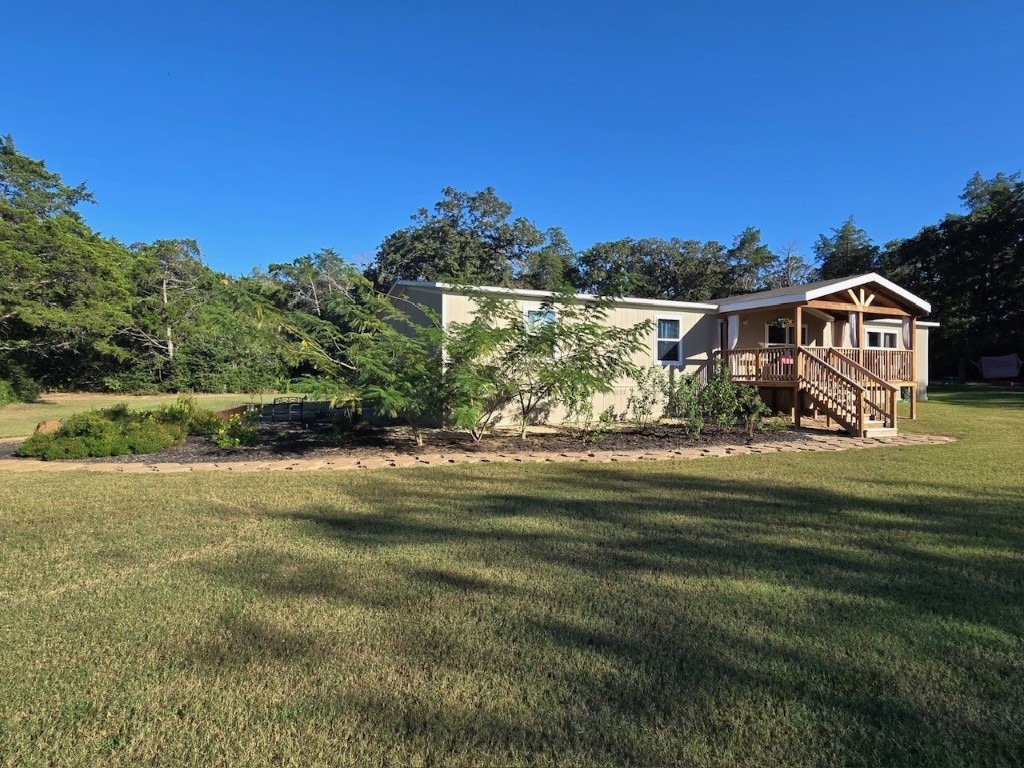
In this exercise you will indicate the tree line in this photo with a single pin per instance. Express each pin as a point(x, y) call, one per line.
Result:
point(86, 312)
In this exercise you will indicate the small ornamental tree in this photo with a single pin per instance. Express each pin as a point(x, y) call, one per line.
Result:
point(372, 352)
point(476, 392)
point(565, 353)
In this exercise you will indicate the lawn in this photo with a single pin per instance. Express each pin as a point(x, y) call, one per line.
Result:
point(855, 608)
point(20, 419)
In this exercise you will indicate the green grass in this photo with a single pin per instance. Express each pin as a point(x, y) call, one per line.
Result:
point(856, 608)
point(20, 419)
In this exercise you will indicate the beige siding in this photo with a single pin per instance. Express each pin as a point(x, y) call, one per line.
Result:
point(921, 360)
point(699, 329)
point(754, 328)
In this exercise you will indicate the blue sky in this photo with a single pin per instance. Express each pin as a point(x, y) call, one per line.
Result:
point(269, 130)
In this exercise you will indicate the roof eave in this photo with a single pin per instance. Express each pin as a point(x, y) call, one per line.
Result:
point(529, 293)
point(802, 297)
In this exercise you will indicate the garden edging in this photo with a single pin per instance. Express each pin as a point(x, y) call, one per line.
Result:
point(809, 444)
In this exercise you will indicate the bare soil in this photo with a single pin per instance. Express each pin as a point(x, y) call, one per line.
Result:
point(283, 441)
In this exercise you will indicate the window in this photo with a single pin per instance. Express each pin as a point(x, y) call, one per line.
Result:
point(670, 340)
point(882, 339)
point(537, 317)
point(782, 335)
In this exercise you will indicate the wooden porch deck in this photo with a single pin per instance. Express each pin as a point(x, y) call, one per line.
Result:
point(857, 388)
point(776, 366)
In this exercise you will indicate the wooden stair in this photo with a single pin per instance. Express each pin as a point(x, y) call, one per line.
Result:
point(847, 392)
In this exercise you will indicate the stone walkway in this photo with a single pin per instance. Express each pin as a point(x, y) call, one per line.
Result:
point(810, 443)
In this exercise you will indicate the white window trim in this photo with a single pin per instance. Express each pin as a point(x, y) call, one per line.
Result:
point(805, 333)
point(657, 357)
point(881, 335)
point(535, 306)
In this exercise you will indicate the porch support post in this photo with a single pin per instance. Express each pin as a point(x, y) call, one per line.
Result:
point(860, 338)
point(913, 367)
point(798, 406)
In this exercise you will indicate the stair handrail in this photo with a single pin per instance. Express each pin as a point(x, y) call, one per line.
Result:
point(888, 412)
point(851, 414)
point(843, 408)
point(867, 372)
point(831, 369)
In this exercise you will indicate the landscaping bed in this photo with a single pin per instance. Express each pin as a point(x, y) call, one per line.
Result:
point(277, 441)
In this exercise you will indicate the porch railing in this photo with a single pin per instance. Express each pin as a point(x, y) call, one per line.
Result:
point(770, 364)
point(888, 364)
point(852, 393)
point(776, 363)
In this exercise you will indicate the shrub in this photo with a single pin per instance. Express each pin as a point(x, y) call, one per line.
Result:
point(16, 386)
point(683, 401)
point(750, 407)
point(185, 412)
point(718, 400)
point(112, 432)
point(607, 423)
point(579, 411)
point(204, 422)
point(149, 436)
point(238, 431)
point(725, 402)
point(7, 393)
point(643, 400)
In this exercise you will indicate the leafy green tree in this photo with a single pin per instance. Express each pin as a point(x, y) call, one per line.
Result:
point(848, 251)
point(29, 191)
point(232, 346)
point(476, 392)
point(566, 357)
point(551, 266)
point(309, 283)
point(171, 284)
point(750, 262)
point(789, 268)
point(970, 266)
point(682, 270)
point(63, 292)
point(467, 238)
point(373, 353)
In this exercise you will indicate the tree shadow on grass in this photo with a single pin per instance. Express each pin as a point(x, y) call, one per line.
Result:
point(655, 610)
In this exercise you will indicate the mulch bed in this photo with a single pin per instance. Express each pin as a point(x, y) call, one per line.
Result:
point(280, 442)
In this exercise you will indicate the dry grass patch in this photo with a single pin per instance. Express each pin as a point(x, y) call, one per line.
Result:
point(20, 419)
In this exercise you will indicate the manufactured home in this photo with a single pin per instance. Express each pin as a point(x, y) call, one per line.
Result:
point(844, 349)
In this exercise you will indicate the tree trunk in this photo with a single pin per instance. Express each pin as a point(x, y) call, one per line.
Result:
point(961, 370)
point(170, 336)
